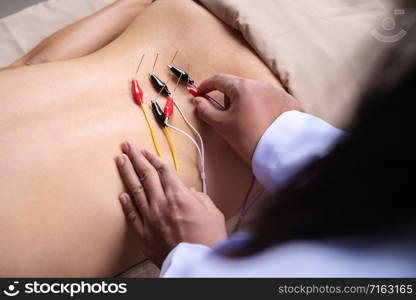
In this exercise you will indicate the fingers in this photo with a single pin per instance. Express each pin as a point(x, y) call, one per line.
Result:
point(224, 83)
point(147, 174)
point(167, 175)
point(132, 182)
point(207, 112)
point(131, 212)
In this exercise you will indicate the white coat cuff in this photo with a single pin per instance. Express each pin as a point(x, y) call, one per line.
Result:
point(292, 141)
point(183, 258)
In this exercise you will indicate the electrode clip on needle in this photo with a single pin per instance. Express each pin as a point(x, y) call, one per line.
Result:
point(199, 146)
point(138, 97)
point(162, 88)
point(192, 87)
point(161, 116)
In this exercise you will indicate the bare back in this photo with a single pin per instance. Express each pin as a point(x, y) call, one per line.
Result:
point(61, 125)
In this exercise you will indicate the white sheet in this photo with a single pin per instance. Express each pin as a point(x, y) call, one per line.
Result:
point(20, 32)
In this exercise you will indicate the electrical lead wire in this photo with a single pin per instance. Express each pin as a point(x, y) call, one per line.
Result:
point(201, 150)
point(200, 146)
point(163, 119)
point(172, 148)
point(138, 97)
point(151, 131)
point(167, 131)
point(200, 153)
point(246, 204)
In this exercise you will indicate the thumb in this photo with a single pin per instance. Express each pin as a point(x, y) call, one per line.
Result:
point(207, 112)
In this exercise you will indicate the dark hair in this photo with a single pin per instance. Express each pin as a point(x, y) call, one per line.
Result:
point(359, 187)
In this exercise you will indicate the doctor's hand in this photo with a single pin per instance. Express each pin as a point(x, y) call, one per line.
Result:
point(251, 107)
point(162, 210)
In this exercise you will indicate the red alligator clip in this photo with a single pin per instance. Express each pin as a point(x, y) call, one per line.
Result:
point(137, 92)
point(193, 92)
point(168, 110)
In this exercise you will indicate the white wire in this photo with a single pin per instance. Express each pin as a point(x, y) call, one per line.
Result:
point(201, 142)
point(200, 148)
point(202, 166)
point(194, 130)
point(184, 133)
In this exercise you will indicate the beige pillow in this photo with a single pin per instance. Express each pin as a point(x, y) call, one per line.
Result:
point(322, 50)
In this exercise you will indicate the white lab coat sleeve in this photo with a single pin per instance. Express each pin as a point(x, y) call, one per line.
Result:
point(183, 258)
point(292, 141)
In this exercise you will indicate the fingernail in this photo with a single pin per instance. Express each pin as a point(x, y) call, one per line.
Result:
point(123, 199)
point(121, 160)
point(126, 146)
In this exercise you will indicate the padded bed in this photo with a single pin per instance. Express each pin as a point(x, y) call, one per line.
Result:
point(321, 51)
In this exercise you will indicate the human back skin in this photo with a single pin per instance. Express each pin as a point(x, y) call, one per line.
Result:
point(62, 124)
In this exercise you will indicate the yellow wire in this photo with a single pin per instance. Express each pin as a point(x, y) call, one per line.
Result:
point(172, 149)
point(151, 130)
